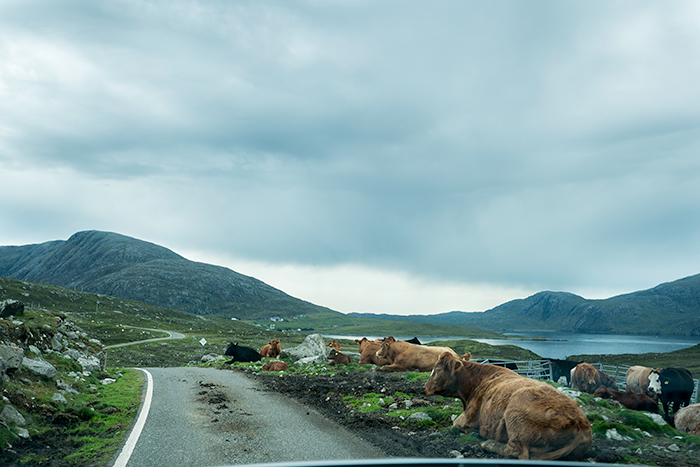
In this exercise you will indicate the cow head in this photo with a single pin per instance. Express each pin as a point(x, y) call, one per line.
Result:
point(383, 351)
point(231, 349)
point(334, 353)
point(654, 382)
point(602, 392)
point(443, 379)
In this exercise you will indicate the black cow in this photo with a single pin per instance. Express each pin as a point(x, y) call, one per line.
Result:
point(676, 388)
point(414, 341)
point(562, 368)
point(242, 354)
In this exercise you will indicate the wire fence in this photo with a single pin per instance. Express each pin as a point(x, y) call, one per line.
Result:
point(542, 370)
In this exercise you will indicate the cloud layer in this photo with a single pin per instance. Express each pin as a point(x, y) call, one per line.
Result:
point(521, 145)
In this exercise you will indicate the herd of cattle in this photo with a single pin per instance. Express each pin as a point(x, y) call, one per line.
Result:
point(520, 417)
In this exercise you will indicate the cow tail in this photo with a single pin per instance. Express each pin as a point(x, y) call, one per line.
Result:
point(580, 440)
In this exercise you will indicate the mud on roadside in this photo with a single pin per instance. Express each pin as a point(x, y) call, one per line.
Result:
point(399, 438)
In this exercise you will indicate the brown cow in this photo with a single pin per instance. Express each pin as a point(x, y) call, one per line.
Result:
point(337, 358)
point(368, 352)
point(407, 357)
point(534, 420)
point(644, 380)
point(631, 400)
point(272, 349)
point(275, 366)
point(335, 345)
point(585, 377)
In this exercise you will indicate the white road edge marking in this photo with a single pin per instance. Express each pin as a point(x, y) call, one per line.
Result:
point(138, 426)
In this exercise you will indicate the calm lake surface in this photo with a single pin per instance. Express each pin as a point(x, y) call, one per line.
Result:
point(561, 345)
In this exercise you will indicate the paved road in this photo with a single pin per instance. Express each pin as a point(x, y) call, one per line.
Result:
point(206, 416)
point(171, 335)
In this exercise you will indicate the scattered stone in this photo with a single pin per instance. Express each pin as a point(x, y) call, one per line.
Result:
point(58, 397)
point(12, 355)
point(10, 415)
point(569, 392)
point(658, 419)
point(89, 364)
point(456, 454)
point(22, 432)
point(614, 435)
point(40, 367)
point(35, 350)
point(674, 448)
point(419, 416)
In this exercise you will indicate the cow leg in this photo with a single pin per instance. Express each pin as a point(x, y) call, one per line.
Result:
point(494, 446)
point(517, 449)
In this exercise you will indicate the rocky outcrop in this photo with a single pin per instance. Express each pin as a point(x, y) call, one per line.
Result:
point(23, 353)
point(11, 308)
point(312, 350)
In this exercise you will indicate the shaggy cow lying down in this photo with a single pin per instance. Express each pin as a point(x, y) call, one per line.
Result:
point(521, 417)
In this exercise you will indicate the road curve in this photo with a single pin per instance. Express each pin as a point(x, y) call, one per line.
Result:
point(206, 416)
point(171, 335)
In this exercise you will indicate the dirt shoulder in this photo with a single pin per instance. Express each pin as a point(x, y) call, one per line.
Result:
point(381, 408)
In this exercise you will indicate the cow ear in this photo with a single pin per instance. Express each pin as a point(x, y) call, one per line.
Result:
point(391, 339)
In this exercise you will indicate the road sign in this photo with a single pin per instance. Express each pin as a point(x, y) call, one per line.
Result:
point(203, 341)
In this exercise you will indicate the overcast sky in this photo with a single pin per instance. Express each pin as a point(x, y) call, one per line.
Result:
point(379, 156)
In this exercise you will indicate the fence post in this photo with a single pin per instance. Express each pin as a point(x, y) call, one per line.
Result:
point(697, 390)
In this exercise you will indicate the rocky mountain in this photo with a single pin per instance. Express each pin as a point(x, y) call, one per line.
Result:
point(669, 309)
point(113, 264)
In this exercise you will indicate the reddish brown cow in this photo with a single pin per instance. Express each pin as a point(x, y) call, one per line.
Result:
point(368, 352)
point(521, 417)
point(335, 345)
point(337, 358)
point(272, 349)
point(408, 357)
point(631, 400)
point(275, 366)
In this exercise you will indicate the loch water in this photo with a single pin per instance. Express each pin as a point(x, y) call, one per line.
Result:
point(562, 345)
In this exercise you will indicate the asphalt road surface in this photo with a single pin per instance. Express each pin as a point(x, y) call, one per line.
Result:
point(207, 417)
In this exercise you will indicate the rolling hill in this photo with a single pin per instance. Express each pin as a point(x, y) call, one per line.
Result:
point(113, 264)
point(672, 308)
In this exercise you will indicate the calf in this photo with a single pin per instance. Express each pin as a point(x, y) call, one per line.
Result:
point(631, 400)
point(335, 345)
point(521, 417)
point(337, 358)
point(242, 354)
point(275, 366)
point(272, 349)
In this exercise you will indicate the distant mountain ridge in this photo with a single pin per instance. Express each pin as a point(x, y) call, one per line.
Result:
point(114, 264)
point(671, 308)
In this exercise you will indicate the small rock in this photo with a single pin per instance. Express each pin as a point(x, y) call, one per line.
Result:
point(58, 397)
point(394, 406)
point(456, 454)
point(10, 415)
point(658, 419)
point(614, 435)
point(22, 433)
point(674, 448)
point(408, 403)
point(418, 416)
